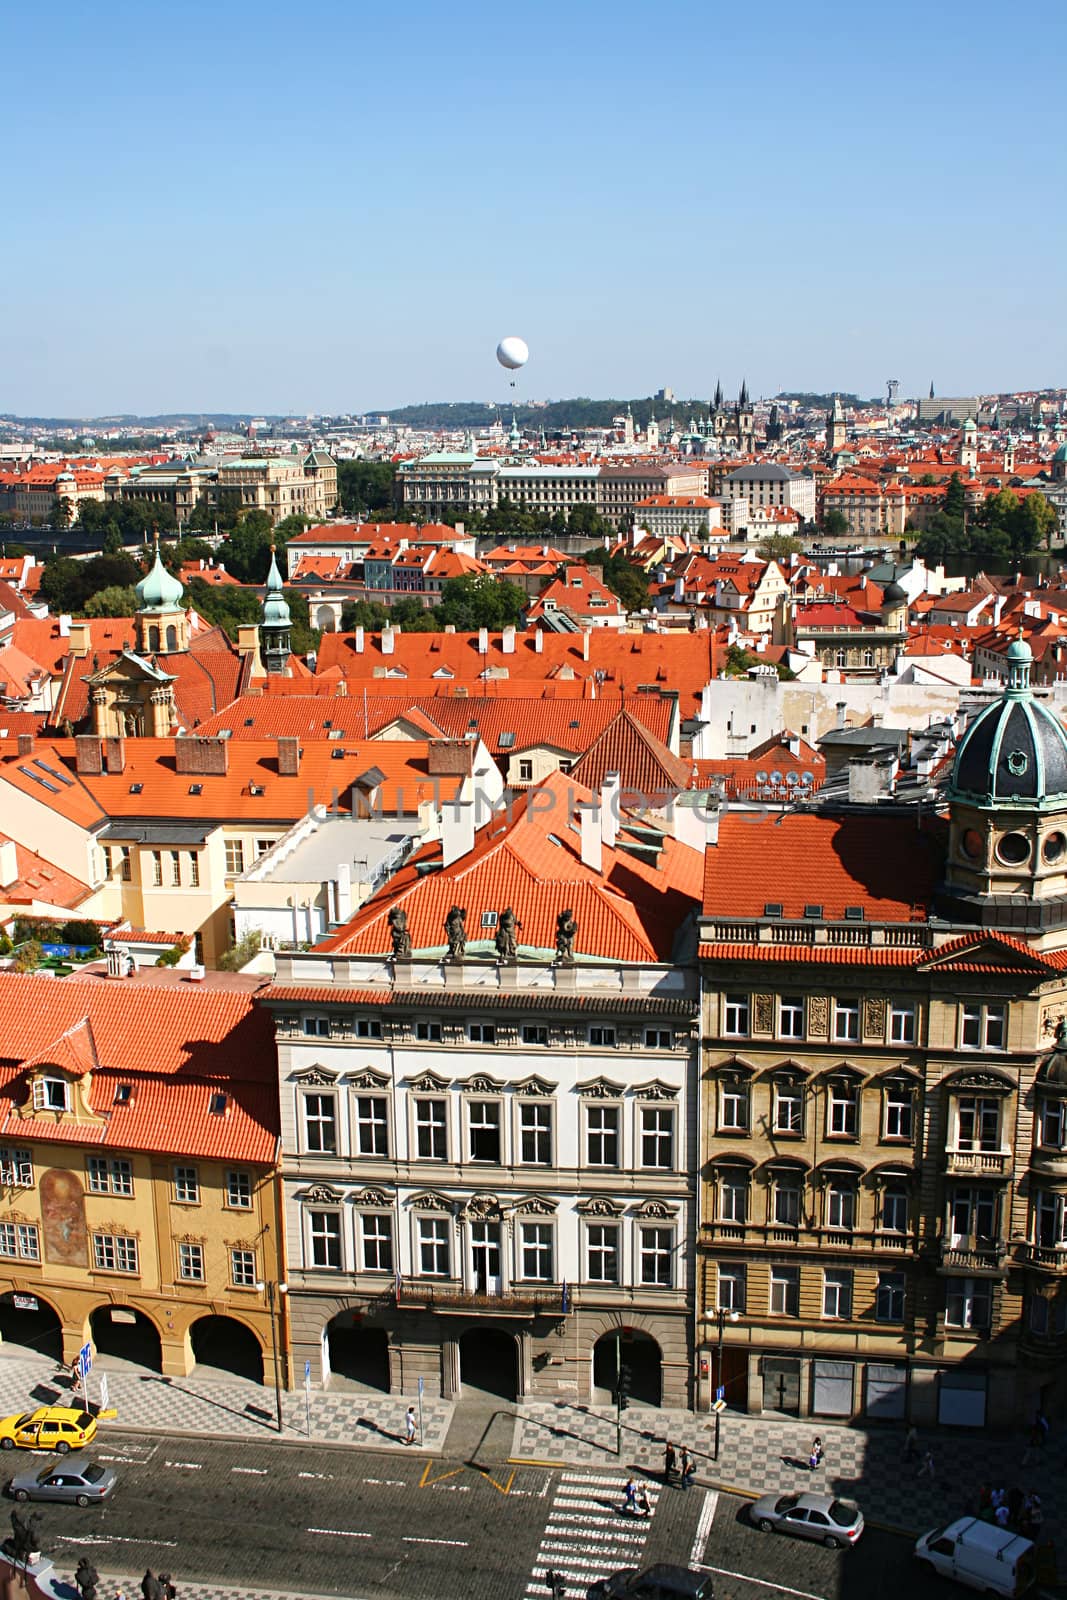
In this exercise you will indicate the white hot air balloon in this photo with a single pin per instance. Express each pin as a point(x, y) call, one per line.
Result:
point(513, 353)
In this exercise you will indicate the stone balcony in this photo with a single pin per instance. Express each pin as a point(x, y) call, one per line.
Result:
point(972, 1258)
point(978, 1163)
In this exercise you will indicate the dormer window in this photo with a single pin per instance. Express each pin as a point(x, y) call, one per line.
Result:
point(51, 1094)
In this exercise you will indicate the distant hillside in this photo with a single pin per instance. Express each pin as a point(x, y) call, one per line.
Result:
point(578, 413)
point(803, 398)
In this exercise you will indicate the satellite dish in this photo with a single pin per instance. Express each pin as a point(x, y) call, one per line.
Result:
point(776, 776)
point(513, 352)
point(761, 777)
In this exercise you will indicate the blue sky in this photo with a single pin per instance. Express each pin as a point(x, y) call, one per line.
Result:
point(239, 207)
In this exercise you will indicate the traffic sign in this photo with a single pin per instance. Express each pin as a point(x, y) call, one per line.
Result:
point(720, 1405)
point(307, 1372)
point(720, 1393)
point(422, 1385)
point(103, 1391)
point(85, 1359)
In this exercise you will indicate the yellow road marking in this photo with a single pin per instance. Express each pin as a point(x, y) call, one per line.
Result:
point(425, 1481)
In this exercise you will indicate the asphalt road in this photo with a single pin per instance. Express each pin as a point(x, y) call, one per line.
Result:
point(391, 1527)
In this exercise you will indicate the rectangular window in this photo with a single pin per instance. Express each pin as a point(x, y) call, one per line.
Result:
point(176, 869)
point(483, 1125)
point(320, 1124)
point(902, 1022)
point(846, 1021)
point(535, 1134)
point(602, 1136)
point(243, 1269)
point(733, 1284)
point(431, 1129)
point(977, 1123)
point(785, 1291)
point(20, 1240)
point(114, 1252)
point(235, 857)
point(434, 1255)
point(534, 1033)
point(377, 1231)
point(126, 873)
point(657, 1137)
point(602, 1249)
point(972, 1211)
point(983, 1027)
point(899, 1099)
point(16, 1168)
point(836, 1294)
point(194, 869)
point(788, 1107)
point(895, 1209)
point(157, 869)
point(790, 1018)
point(659, 1039)
point(968, 1303)
point(525, 771)
point(735, 1015)
point(1053, 1124)
point(324, 1238)
point(481, 1032)
point(51, 1094)
point(733, 1108)
point(372, 1125)
point(187, 1185)
point(368, 1027)
point(786, 1207)
point(262, 846)
point(889, 1297)
point(191, 1263)
point(239, 1191)
point(733, 1197)
point(841, 1206)
point(536, 1252)
point(842, 1109)
point(657, 1257)
point(603, 1038)
point(317, 1027)
point(110, 1177)
point(428, 1032)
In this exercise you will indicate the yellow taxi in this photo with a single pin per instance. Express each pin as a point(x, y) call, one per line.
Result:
point(59, 1428)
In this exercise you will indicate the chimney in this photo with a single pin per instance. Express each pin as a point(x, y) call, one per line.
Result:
point(483, 641)
point(679, 591)
point(64, 625)
point(585, 643)
point(842, 707)
point(248, 643)
point(388, 636)
point(9, 865)
point(609, 808)
point(592, 844)
point(26, 744)
point(115, 756)
point(457, 832)
point(449, 758)
point(200, 757)
point(288, 757)
point(359, 641)
point(507, 640)
point(81, 638)
point(344, 891)
point(711, 827)
point(539, 641)
point(88, 755)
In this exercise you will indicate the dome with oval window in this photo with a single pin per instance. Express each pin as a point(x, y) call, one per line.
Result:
point(1015, 752)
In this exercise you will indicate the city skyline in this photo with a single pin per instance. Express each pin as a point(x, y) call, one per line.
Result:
point(344, 217)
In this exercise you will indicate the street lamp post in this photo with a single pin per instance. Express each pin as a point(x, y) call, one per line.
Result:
point(721, 1319)
point(273, 1289)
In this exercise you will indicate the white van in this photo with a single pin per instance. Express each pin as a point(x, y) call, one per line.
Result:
point(980, 1555)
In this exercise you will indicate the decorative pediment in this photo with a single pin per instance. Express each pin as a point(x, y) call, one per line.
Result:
point(906, 1077)
point(320, 1194)
point(316, 1077)
point(986, 950)
point(378, 1199)
point(535, 1205)
point(482, 1083)
point(429, 1083)
point(535, 1088)
point(430, 1200)
point(733, 1070)
point(656, 1090)
point(128, 668)
point(843, 1071)
point(978, 1078)
point(481, 1207)
point(599, 1205)
point(368, 1078)
point(656, 1209)
point(601, 1089)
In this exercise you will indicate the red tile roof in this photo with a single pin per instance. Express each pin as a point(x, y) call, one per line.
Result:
point(645, 765)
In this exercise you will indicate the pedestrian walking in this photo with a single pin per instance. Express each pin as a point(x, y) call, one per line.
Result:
point(410, 1425)
point(1033, 1516)
point(555, 1584)
point(926, 1469)
point(815, 1454)
point(911, 1443)
point(629, 1502)
point(1001, 1515)
point(688, 1469)
point(669, 1462)
point(644, 1509)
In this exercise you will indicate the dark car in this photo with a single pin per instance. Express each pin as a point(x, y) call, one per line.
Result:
point(661, 1582)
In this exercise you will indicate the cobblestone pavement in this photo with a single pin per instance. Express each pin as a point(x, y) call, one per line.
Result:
point(760, 1455)
point(146, 1402)
point(115, 1584)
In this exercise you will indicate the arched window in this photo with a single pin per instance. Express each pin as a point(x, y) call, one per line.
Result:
point(153, 638)
point(172, 637)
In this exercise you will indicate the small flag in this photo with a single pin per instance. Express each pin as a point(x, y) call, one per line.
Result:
point(565, 1298)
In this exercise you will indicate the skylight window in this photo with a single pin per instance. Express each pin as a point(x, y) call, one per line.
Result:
point(196, 788)
point(507, 741)
point(123, 1091)
point(488, 919)
point(218, 1102)
point(136, 788)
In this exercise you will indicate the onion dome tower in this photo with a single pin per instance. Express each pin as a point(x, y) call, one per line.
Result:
point(1007, 860)
point(162, 625)
point(276, 622)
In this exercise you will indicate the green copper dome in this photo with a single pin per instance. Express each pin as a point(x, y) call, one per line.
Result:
point(275, 607)
point(1015, 752)
point(159, 591)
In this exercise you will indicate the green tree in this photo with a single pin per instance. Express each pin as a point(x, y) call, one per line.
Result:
point(479, 601)
point(779, 547)
point(246, 552)
point(626, 580)
point(369, 614)
point(835, 523)
point(226, 607)
point(223, 514)
point(367, 488)
point(302, 636)
point(114, 601)
point(955, 499)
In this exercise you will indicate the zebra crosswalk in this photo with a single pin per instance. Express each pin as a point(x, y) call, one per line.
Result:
point(587, 1535)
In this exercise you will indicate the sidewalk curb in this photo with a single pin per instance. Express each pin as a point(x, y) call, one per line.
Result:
point(156, 1432)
